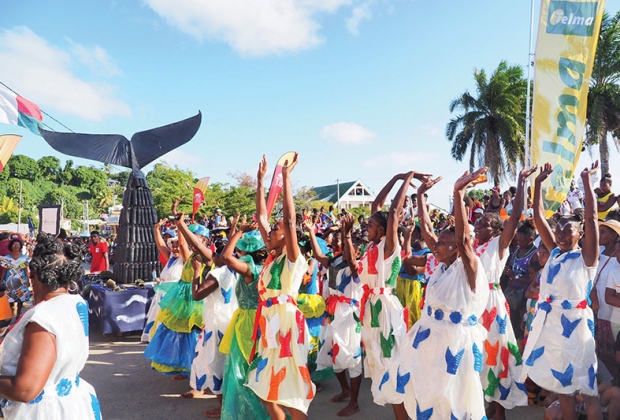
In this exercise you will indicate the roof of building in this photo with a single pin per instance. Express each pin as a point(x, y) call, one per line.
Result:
point(329, 193)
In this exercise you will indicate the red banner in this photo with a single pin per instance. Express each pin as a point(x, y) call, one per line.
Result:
point(199, 193)
point(276, 182)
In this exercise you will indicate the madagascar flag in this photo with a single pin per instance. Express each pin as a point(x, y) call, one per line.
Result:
point(19, 111)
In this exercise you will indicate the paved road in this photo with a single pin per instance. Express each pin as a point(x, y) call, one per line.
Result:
point(129, 389)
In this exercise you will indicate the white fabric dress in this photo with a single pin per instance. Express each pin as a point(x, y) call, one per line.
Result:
point(208, 365)
point(341, 338)
point(171, 272)
point(501, 355)
point(65, 395)
point(438, 367)
point(382, 316)
point(560, 352)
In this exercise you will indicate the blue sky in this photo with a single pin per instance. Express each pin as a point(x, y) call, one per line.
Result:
point(360, 88)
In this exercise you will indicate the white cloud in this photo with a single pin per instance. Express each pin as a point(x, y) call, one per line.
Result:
point(95, 58)
point(399, 160)
point(347, 133)
point(358, 14)
point(255, 28)
point(43, 73)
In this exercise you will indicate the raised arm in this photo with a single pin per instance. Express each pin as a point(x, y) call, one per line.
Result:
point(183, 247)
point(462, 233)
point(262, 218)
point(426, 226)
point(288, 207)
point(382, 196)
point(233, 262)
point(159, 241)
point(348, 248)
point(391, 235)
point(316, 249)
point(542, 226)
point(510, 228)
point(193, 240)
point(590, 251)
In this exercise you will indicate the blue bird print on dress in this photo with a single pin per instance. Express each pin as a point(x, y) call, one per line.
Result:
point(227, 293)
point(200, 381)
point(477, 358)
point(501, 323)
point(503, 392)
point(566, 377)
point(420, 336)
point(521, 386)
point(535, 354)
point(220, 335)
point(96, 407)
point(423, 415)
point(206, 338)
point(568, 326)
point(82, 310)
point(591, 376)
point(386, 377)
point(344, 282)
point(591, 326)
point(554, 268)
point(453, 360)
point(217, 383)
point(401, 381)
point(261, 365)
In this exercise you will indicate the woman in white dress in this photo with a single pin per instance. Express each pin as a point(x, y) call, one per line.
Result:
point(560, 352)
point(438, 368)
point(42, 356)
point(175, 252)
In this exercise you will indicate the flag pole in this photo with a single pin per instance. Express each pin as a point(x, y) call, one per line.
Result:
point(528, 112)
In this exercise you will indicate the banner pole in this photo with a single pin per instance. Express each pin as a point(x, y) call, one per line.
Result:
point(528, 111)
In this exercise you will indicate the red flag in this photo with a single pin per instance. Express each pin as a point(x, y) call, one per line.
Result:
point(276, 182)
point(199, 193)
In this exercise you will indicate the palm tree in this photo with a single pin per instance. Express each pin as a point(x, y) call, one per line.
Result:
point(492, 124)
point(603, 113)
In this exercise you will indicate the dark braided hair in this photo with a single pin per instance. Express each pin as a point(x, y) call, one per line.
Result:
point(259, 256)
point(382, 217)
point(55, 264)
point(575, 217)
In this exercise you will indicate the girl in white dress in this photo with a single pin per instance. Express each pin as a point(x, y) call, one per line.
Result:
point(171, 250)
point(438, 368)
point(560, 353)
point(42, 356)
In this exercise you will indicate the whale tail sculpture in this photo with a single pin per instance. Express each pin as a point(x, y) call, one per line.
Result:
point(136, 255)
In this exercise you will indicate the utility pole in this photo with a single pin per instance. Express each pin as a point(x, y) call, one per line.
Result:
point(338, 196)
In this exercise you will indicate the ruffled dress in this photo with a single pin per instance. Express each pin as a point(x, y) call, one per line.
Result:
point(342, 336)
point(382, 316)
point(501, 355)
point(208, 365)
point(172, 345)
point(238, 401)
point(560, 352)
point(65, 395)
point(279, 372)
point(438, 368)
point(312, 305)
point(171, 272)
point(409, 290)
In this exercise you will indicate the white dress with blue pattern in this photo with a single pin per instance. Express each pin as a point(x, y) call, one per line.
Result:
point(65, 395)
point(208, 364)
point(438, 368)
point(560, 352)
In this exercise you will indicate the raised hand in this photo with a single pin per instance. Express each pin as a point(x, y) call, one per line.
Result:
point(248, 227)
point(308, 225)
point(422, 177)
point(586, 173)
point(347, 223)
point(428, 184)
point(468, 180)
point(159, 224)
point(545, 171)
point(175, 205)
point(262, 169)
point(289, 166)
point(525, 172)
point(235, 219)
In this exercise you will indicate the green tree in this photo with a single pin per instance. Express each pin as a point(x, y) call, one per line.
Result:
point(603, 113)
point(22, 167)
point(66, 175)
point(492, 124)
point(8, 210)
point(167, 184)
point(89, 178)
point(49, 167)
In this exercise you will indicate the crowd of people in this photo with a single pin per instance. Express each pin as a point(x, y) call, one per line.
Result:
point(493, 300)
point(463, 314)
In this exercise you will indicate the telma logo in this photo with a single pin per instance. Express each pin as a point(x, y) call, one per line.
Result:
point(571, 18)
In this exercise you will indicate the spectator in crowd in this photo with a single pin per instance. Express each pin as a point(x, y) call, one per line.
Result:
point(99, 251)
point(496, 202)
point(574, 197)
point(605, 198)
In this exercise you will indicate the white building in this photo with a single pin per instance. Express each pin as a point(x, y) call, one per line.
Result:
point(346, 194)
